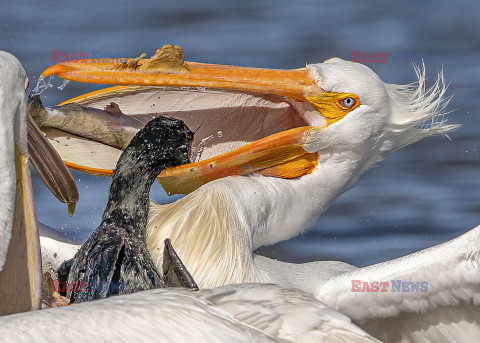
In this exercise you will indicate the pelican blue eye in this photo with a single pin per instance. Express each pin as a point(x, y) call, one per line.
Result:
point(348, 102)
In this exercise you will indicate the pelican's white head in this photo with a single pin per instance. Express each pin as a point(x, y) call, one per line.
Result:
point(363, 111)
point(358, 120)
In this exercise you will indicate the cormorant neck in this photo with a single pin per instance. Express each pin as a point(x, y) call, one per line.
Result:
point(132, 179)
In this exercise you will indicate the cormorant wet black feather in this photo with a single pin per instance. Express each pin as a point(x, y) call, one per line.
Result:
point(115, 259)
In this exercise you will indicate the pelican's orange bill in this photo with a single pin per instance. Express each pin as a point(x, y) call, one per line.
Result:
point(167, 68)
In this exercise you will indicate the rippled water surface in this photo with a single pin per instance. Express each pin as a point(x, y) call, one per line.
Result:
point(419, 196)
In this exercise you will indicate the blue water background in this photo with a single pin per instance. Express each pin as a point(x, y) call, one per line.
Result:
point(419, 196)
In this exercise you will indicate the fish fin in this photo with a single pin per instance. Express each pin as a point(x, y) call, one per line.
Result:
point(113, 109)
point(35, 108)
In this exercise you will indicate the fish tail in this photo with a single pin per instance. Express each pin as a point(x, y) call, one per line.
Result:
point(35, 108)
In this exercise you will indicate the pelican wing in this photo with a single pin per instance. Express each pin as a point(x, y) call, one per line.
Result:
point(286, 313)
point(241, 313)
point(159, 315)
point(432, 295)
point(44, 158)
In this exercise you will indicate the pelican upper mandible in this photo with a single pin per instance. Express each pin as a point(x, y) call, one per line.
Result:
point(308, 134)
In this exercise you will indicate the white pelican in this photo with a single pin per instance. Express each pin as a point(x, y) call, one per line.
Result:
point(19, 244)
point(313, 131)
point(244, 313)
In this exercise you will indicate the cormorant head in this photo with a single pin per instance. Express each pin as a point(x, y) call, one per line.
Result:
point(164, 142)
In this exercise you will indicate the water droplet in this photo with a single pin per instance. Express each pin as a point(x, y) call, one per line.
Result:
point(197, 151)
point(42, 85)
point(63, 85)
point(219, 134)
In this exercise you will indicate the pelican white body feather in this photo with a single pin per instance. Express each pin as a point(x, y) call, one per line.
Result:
point(447, 310)
point(237, 313)
point(55, 252)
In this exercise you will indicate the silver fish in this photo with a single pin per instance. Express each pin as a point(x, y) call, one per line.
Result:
point(108, 126)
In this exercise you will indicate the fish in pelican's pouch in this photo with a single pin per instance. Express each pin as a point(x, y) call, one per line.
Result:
point(108, 126)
